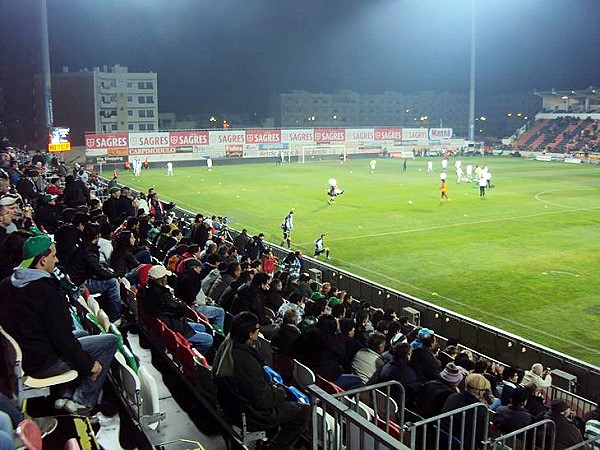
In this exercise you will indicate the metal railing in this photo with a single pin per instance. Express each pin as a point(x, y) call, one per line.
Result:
point(462, 428)
point(579, 405)
point(590, 444)
point(386, 406)
point(337, 426)
point(539, 435)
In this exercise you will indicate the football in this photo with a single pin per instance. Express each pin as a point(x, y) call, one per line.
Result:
point(410, 202)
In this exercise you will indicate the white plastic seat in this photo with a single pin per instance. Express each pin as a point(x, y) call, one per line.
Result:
point(103, 320)
point(29, 386)
point(150, 414)
point(131, 384)
point(303, 376)
point(93, 304)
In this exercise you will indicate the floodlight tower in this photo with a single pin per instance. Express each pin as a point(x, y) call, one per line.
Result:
point(45, 69)
point(472, 77)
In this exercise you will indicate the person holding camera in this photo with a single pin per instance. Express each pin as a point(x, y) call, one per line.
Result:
point(538, 376)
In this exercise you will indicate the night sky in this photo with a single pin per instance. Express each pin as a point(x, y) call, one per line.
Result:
point(230, 55)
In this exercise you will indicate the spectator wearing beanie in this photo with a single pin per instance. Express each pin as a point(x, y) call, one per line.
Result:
point(432, 395)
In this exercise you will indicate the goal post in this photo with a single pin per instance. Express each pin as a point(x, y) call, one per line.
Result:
point(322, 152)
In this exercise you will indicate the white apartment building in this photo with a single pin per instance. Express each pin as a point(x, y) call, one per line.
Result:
point(125, 101)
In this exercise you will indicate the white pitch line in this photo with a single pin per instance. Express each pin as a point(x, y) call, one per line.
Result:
point(474, 308)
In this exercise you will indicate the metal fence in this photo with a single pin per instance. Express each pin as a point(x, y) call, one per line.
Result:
point(579, 405)
point(539, 435)
point(463, 428)
point(336, 426)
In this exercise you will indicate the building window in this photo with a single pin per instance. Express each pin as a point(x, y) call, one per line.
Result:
point(149, 99)
point(150, 113)
point(130, 112)
point(140, 85)
point(113, 83)
point(103, 127)
point(142, 127)
point(129, 84)
point(142, 113)
point(150, 85)
point(114, 127)
point(150, 127)
point(130, 126)
point(130, 98)
point(113, 97)
point(141, 99)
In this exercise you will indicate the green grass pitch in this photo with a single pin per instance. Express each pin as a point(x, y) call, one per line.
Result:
point(525, 259)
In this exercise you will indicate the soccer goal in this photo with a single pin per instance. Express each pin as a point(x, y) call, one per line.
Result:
point(312, 153)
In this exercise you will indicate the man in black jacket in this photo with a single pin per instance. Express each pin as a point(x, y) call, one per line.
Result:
point(243, 386)
point(112, 207)
point(426, 365)
point(159, 302)
point(67, 236)
point(84, 266)
point(36, 314)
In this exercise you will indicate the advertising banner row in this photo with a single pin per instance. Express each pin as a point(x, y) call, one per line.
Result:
point(250, 143)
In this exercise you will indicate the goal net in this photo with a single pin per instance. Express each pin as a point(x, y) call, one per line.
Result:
point(314, 153)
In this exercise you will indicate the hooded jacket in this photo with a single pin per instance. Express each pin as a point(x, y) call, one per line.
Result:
point(37, 315)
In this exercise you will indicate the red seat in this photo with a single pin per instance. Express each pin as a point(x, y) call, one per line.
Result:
point(155, 326)
point(197, 317)
point(393, 430)
point(143, 275)
point(170, 340)
point(328, 386)
point(190, 358)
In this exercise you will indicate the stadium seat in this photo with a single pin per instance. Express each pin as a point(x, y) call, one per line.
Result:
point(189, 358)
point(283, 364)
point(93, 304)
point(29, 387)
point(151, 415)
point(155, 326)
point(328, 386)
point(303, 376)
point(130, 383)
point(170, 340)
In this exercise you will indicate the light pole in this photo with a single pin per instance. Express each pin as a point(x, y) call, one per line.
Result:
point(45, 72)
point(472, 77)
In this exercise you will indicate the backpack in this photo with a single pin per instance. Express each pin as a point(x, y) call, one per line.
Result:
point(173, 262)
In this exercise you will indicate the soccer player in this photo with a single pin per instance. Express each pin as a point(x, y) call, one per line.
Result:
point(444, 164)
point(459, 174)
point(482, 186)
point(320, 247)
point(429, 166)
point(373, 165)
point(443, 176)
point(286, 227)
point(170, 169)
point(444, 191)
point(469, 173)
point(209, 164)
point(333, 191)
